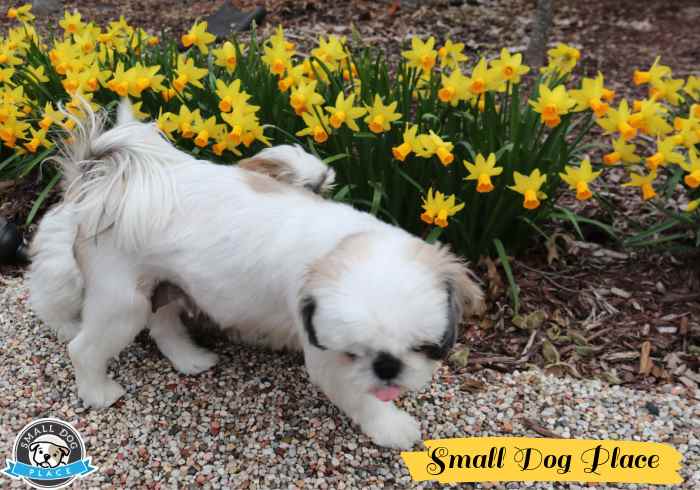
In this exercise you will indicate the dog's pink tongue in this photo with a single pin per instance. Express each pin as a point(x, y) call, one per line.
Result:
point(387, 393)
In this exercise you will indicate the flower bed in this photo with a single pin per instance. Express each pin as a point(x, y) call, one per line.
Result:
point(437, 145)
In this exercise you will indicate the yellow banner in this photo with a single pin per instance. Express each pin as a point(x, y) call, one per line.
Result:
point(492, 459)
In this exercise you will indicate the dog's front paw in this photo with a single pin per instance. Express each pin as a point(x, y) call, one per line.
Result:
point(195, 361)
point(102, 395)
point(393, 428)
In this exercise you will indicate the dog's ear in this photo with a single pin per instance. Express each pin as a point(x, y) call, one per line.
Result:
point(125, 112)
point(463, 292)
point(64, 450)
point(33, 446)
point(277, 169)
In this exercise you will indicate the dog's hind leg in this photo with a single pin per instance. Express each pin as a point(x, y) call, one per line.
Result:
point(115, 310)
point(174, 342)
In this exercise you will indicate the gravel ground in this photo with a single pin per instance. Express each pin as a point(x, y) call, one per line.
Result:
point(256, 422)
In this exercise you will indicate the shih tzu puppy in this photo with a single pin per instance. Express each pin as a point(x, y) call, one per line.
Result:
point(254, 247)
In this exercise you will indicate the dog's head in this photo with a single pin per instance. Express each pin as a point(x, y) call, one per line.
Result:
point(49, 454)
point(388, 306)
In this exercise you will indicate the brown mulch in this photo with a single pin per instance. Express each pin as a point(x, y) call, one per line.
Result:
point(626, 316)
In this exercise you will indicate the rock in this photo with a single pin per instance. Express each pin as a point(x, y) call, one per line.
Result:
point(652, 408)
point(229, 19)
point(46, 7)
point(12, 247)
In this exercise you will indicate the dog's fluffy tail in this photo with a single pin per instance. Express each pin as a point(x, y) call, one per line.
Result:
point(117, 179)
point(54, 279)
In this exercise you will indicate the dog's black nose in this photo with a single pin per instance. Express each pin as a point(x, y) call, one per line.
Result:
point(47, 457)
point(386, 366)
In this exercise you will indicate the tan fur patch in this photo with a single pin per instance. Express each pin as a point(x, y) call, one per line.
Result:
point(276, 169)
point(263, 184)
point(351, 249)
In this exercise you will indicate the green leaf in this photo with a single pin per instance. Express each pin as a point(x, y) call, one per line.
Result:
point(433, 235)
point(376, 198)
point(334, 158)
point(42, 197)
point(29, 166)
point(513, 287)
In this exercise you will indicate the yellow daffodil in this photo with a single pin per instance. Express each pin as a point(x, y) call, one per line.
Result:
point(304, 96)
point(687, 130)
point(667, 89)
point(618, 120)
point(168, 94)
point(225, 56)
point(380, 116)
point(650, 118)
point(50, 116)
point(352, 70)
point(231, 96)
point(344, 112)
point(38, 139)
point(509, 67)
point(421, 55)
point(245, 128)
point(692, 205)
point(198, 36)
point(138, 113)
point(482, 79)
point(409, 144)
point(552, 104)
point(437, 208)
point(692, 87)
point(622, 151)
point(451, 55)
point(529, 187)
point(277, 53)
point(590, 96)
point(431, 144)
point(482, 170)
point(578, 179)
point(330, 51)
point(168, 123)
point(204, 129)
point(6, 74)
point(23, 13)
point(187, 120)
point(292, 77)
point(8, 54)
point(644, 183)
point(11, 130)
point(188, 73)
point(664, 155)
point(656, 73)
point(561, 59)
point(72, 23)
point(454, 88)
point(692, 179)
point(318, 128)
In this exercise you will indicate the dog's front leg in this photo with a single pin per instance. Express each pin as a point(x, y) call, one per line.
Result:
point(381, 421)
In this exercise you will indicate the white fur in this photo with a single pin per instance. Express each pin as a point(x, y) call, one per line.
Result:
point(251, 260)
point(304, 169)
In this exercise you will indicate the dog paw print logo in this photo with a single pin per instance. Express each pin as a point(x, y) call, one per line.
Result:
point(48, 453)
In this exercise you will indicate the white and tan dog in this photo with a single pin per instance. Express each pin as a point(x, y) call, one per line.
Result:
point(372, 307)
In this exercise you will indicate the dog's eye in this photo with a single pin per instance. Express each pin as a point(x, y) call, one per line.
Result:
point(431, 351)
point(351, 355)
